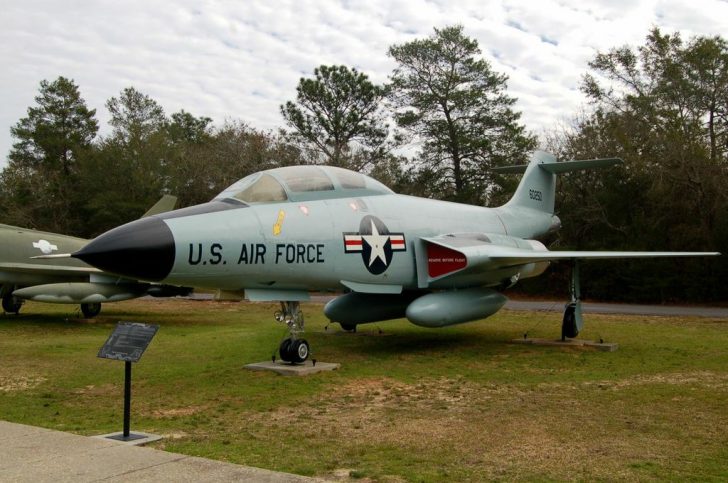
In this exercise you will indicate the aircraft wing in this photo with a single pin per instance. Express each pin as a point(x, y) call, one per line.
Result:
point(39, 269)
point(477, 253)
point(518, 256)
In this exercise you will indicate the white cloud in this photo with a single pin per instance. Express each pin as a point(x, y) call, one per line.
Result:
point(241, 60)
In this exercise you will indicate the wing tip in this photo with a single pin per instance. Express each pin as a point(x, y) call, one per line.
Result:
point(55, 255)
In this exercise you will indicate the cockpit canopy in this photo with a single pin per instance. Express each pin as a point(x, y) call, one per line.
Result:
point(302, 183)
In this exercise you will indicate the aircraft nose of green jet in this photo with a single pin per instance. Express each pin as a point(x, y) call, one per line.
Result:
point(143, 249)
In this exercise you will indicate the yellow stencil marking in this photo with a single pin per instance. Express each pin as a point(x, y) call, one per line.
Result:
point(279, 222)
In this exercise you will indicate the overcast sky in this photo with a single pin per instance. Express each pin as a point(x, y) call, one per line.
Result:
point(242, 59)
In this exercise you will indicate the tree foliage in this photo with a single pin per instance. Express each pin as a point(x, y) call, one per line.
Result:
point(135, 116)
point(135, 156)
point(339, 112)
point(660, 107)
point(450, 99)
point(229, 153)
point(39, 183)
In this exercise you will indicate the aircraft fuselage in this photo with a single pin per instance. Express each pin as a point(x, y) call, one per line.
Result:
point(315, 245)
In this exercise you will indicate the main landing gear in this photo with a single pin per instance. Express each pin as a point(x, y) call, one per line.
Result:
point(11, 305)
point(572, 322)
point(293, 349)
point(90, 310)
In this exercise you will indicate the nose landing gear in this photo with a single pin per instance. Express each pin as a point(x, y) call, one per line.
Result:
point(293, 349)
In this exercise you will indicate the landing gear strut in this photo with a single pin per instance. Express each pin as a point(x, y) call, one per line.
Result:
point(11, 304)
point(293, 349)
point(572, 323)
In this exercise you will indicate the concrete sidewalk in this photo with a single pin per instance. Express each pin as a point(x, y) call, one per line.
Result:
point(36, 454)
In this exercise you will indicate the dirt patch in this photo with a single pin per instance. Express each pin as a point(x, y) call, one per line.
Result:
point(175, 412)
point(346, 475)
point(497, 430)
point(20, 383)
point(175, 436)
point(708, 379)
point(100, 390)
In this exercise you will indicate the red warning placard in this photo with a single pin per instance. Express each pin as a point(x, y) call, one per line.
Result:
point(442, 260)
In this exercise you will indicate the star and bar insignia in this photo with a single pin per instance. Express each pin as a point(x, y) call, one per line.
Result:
point(375, 243)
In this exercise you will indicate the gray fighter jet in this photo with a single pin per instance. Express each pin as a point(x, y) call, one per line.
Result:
point(278, 234)
point(68, 281)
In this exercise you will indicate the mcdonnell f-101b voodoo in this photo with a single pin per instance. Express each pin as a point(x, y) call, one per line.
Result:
point(277, 234)
point(66, 281)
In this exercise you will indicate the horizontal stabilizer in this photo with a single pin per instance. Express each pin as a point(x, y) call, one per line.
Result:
point(562, 167)
point(537, 190)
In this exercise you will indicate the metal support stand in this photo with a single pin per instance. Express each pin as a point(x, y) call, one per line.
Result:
point(127, 343)
point(573, 321)
point(127, 398)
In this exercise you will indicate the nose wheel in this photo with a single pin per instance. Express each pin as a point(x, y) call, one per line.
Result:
point(293, 349)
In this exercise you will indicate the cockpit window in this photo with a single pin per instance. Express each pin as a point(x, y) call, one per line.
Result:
point(301, 179)
point(349, 180)
point(264, 189)
point(302, 183)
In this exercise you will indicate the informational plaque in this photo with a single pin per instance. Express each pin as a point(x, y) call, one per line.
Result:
point(128, 341)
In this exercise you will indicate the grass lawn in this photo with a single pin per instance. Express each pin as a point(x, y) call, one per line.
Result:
point(411, 404)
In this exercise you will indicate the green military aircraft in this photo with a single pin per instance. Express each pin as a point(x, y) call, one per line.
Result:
point(277, 234)
point(68, 281)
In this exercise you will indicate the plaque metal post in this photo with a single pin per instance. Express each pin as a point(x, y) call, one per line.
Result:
point(127, 398)
point(127, 343)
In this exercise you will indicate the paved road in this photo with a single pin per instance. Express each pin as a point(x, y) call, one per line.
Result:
point(38, 455)
point(600, 308)
point(588, 307)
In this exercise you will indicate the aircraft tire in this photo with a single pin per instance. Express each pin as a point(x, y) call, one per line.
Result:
point(11, 305)
point(299, 351)
point(568, 325)
point(348, 327)
point(285, 351)
point(90, 310)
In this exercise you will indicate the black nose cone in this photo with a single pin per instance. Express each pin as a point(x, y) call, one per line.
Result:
point(143, 249)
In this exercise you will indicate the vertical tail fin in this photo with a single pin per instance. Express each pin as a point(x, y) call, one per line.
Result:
point(166, 203)
point(537, 189)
